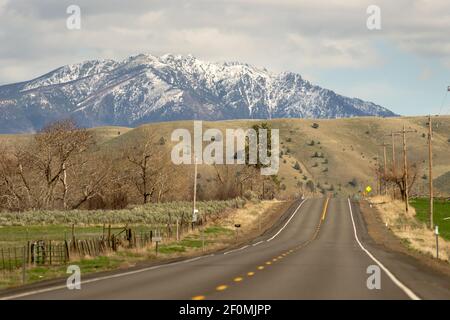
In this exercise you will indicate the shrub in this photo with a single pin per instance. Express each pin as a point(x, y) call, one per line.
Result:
point(250, 195)
point(310, 186)
point(150, 214)
point(315, 125)
point(353, 183)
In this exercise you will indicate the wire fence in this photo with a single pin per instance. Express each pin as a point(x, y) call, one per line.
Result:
point(60, 252)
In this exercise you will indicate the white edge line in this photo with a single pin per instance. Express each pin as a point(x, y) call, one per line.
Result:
point(235, 250)
point(287, 222)
point(397, 282)
point(255, 244)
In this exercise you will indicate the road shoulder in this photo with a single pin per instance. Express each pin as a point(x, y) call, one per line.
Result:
point(415, 268)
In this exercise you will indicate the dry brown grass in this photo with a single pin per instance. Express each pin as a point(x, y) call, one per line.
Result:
point(408, 228)
point(250, 216)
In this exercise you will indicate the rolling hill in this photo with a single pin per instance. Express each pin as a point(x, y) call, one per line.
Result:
point(347, 149)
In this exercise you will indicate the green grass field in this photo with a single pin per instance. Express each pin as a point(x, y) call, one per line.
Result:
point(441, 212)
point(16, 228)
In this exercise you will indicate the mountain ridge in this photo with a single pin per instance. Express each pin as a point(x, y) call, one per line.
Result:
point(145, 88)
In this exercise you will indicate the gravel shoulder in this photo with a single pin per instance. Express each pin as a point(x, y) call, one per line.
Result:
point(385, 240)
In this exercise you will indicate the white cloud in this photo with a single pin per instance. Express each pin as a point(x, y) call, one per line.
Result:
point(278, 34)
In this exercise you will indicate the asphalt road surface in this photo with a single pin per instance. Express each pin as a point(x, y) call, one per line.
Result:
point(319, 250)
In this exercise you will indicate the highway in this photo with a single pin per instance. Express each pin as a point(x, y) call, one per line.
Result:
point(319, 250)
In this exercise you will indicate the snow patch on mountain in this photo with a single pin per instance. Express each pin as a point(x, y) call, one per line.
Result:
point(146, 88)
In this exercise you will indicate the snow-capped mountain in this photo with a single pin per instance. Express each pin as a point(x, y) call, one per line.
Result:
point(145, 88)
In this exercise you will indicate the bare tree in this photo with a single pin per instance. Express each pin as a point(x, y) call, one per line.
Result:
point(398, 180)
point(149, 175)
point(55, 170)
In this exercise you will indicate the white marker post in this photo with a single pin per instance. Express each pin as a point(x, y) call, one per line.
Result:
point(157, 240)
point(436, 232)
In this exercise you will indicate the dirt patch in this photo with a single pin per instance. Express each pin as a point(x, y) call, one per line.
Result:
point(385, 237)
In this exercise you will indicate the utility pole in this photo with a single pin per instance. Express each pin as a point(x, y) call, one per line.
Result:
point(394, 166)
point(430, 167)
point(405, 170)
point(384, 145)
point(194, 210)
point(378, 176)
point(394, 160)
point(405, 164)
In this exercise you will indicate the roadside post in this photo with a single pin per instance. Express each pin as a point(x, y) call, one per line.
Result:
point(436, 232)
point(24, 265)
point(203, 238)
point(157, 238)
point(237, 226)
point(194, 218)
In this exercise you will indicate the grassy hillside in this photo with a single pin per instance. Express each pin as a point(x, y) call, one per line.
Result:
point(347, 148)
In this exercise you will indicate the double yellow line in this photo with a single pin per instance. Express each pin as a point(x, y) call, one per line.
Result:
point(325, 207)
point(268, 263)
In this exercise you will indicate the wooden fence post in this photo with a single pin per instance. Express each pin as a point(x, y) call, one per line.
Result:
point(24, 266)
point(50, 251)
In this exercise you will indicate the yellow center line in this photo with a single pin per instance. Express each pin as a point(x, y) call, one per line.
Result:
point(251, 273)
point(221, 288)
point(325, 208)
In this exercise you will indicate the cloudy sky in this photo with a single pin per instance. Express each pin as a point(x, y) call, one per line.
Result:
point(405, 66)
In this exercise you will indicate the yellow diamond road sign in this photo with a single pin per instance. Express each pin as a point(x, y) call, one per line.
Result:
point(368, 189)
